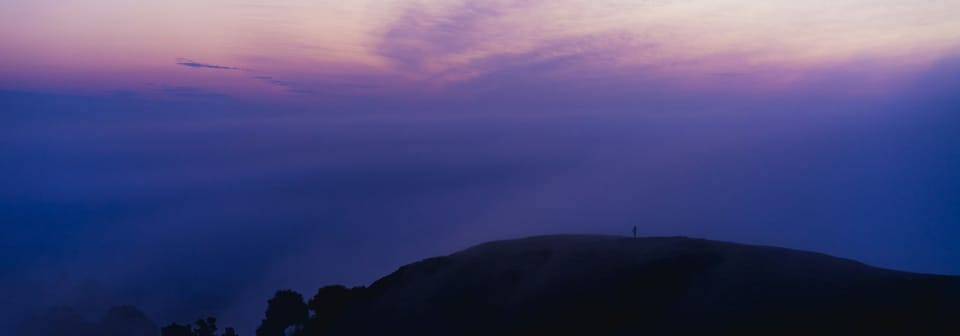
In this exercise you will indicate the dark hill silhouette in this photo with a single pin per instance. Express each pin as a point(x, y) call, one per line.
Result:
point(599, 285)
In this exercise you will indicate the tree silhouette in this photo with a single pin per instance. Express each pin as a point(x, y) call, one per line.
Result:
point(203, 327)
point(328, 306)
point(206, 327)
point(285, 310)
point(176, 330)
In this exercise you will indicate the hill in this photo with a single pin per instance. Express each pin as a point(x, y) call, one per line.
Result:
point(601, 285)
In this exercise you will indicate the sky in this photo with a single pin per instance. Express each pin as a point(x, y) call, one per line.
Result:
point(402, 51)
point(191, 157)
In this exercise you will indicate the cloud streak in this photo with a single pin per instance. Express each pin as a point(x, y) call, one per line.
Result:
point(194, 64)
point(193, 92)
point(272, 81)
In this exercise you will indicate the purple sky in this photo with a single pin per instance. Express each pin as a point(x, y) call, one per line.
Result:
point(191, 158)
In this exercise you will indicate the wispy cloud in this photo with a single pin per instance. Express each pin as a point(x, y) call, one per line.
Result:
point(496, 44)
point(272, 81)
point(418, 36)
point(195, 64)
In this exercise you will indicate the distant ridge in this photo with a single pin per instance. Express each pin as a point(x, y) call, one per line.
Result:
point(605, 285)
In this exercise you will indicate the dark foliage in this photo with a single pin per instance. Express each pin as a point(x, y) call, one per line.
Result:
point(285, 311)
point(328, 307)
point(202, 327)
point(206, 327)
point(176, 330)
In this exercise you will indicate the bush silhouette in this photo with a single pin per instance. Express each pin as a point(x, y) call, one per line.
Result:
point(176, 330)
point(206, 327)
point(286, 310)
point(328, 306)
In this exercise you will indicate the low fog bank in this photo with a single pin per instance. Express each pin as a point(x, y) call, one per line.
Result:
point(190, 209)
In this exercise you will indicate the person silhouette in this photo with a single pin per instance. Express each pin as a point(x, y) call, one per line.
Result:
point(634, 231)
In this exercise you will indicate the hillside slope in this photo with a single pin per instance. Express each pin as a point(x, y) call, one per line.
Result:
point(600, 285)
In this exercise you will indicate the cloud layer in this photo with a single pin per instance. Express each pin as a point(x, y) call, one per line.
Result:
point(433, 50)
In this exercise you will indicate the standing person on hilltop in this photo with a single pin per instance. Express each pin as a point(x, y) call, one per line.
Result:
point(634, 231)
